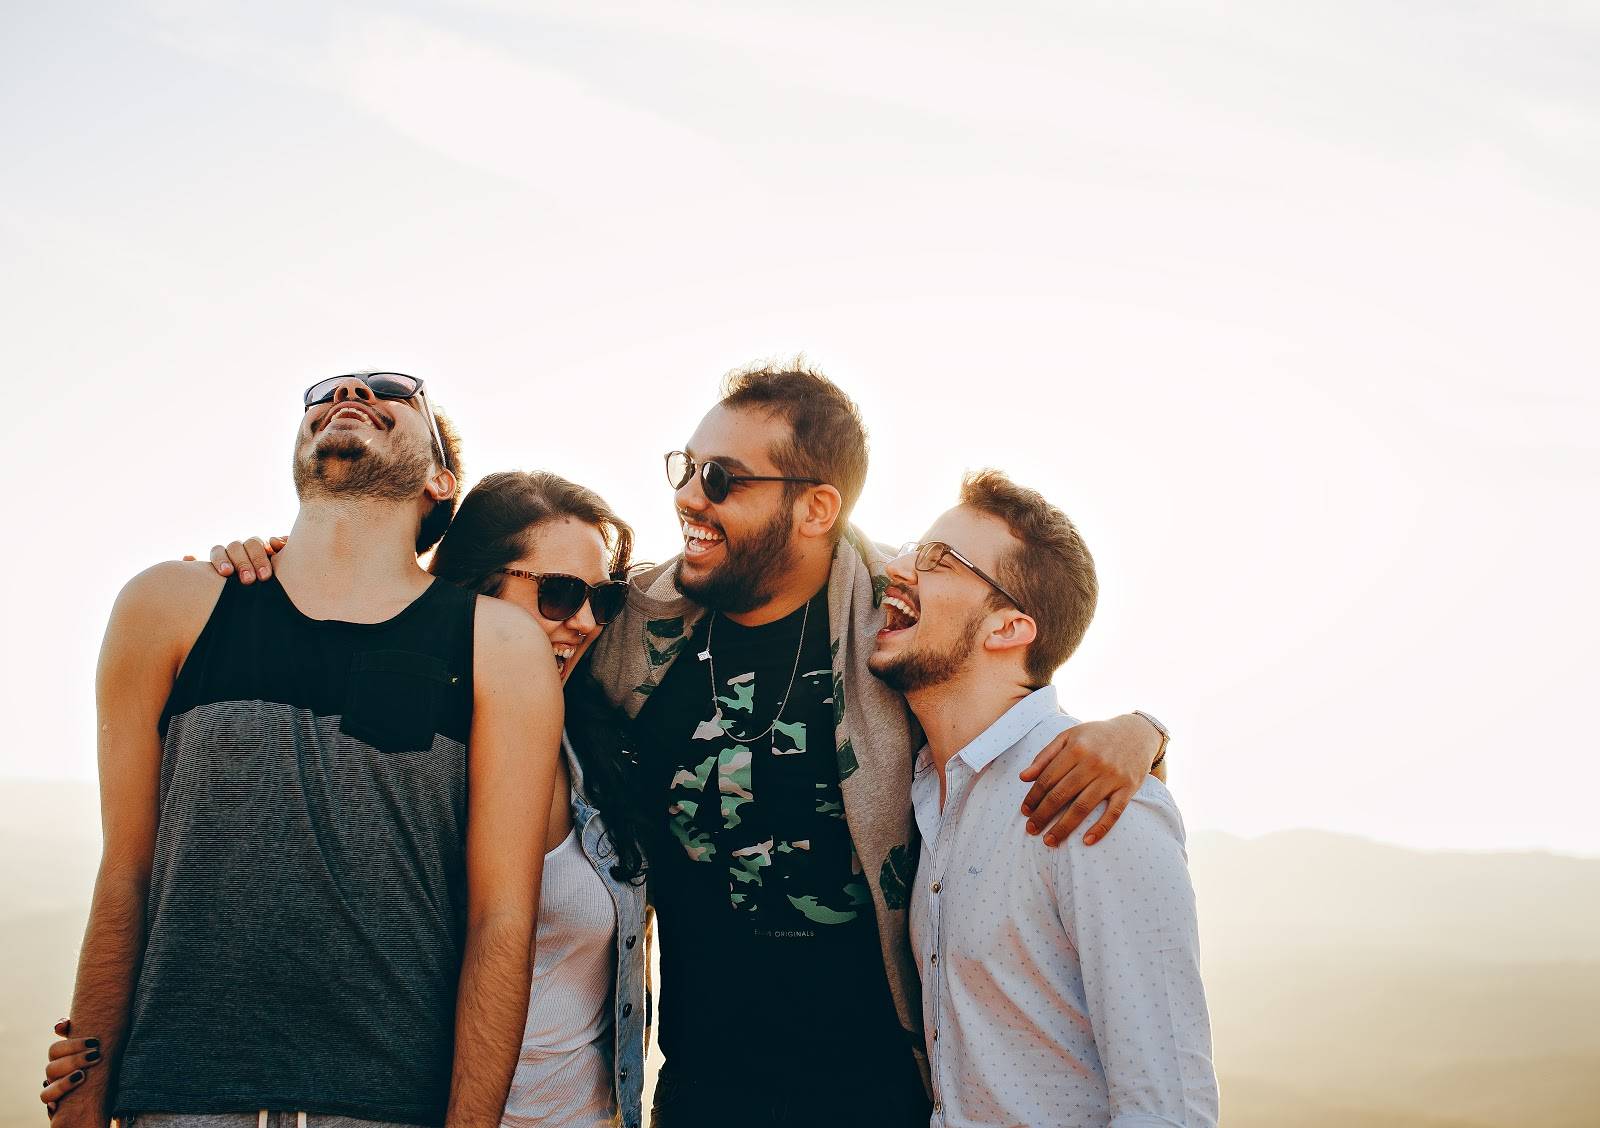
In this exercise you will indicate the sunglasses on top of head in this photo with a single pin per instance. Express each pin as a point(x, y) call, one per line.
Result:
point(930, 554)
point(384, 385)
point(562, 596)
point(715, 479)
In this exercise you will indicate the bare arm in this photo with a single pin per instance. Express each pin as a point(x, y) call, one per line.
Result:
point(145, 643)
point(516, 737)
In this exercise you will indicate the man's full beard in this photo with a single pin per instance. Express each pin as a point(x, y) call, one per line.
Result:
point(748, 575)
point(336, 465)
point(915, 669)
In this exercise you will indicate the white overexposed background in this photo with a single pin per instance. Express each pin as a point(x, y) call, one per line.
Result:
point(1291, 307)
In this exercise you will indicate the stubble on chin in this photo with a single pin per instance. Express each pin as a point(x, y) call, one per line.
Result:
point(748, 575)
point(341, 465)
point(907, 673)
point(914, 669)
point(720, 590)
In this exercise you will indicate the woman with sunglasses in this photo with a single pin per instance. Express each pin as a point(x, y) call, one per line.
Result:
point(558, 551)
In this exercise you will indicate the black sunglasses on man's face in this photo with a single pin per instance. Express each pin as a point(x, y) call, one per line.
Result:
point(715, 479)
point(384, 385)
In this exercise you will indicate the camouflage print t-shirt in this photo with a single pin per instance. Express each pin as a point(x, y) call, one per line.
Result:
point(769, 952)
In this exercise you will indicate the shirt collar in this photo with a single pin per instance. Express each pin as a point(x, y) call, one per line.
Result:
point(1009, 728)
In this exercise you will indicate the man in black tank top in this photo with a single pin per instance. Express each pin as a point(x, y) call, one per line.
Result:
point(324, 803)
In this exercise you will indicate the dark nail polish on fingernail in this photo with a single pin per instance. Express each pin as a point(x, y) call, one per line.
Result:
point(92, 1055)
point(92, 1043)
point(77, 1075)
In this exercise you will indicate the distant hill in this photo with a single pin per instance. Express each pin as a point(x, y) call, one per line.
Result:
point(1250, 1103)
point(1352, 984)
point(1299, 891)
point(1480, 1043)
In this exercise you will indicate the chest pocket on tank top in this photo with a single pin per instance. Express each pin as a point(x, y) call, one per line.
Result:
point(393, 697)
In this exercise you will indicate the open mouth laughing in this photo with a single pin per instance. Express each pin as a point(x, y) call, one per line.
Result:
point(900, 611)
point(699, 539)
point(354, 413)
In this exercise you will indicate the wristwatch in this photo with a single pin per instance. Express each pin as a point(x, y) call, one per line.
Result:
point(1161, 753)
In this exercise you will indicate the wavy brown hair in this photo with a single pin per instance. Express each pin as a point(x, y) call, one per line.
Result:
point(827, 439)
point(1049, 569)
point(497, 523)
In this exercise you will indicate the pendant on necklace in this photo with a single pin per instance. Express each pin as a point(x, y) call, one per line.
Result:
point(705, 655)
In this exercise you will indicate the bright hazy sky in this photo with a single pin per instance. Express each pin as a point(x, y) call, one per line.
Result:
point(1283, 303)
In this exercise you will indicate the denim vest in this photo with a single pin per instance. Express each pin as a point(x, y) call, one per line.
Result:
point(627, 999)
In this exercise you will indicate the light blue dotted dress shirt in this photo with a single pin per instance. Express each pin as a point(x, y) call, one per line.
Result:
point(1059, 987)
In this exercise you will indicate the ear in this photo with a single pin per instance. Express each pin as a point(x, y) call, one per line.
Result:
point(441, 485)
point(817, 511)
point(1015, 630)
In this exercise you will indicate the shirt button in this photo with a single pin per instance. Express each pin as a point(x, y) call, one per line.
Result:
point(935, 887)
point(623, 1073)
point(627, 1009)
point(935, 1035)
point(934, 958)
point(631, 939)
point(937, 1107)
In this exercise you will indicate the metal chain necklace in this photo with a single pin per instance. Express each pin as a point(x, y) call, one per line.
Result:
point(716, 702)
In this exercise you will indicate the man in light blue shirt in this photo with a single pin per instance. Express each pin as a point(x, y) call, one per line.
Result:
point(1060, 987)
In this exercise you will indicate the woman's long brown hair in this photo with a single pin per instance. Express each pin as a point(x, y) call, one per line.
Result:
point(496, 524)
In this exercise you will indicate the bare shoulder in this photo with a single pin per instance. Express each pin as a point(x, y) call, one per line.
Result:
point(508, 644)
point(155, 621)
point(505, 624)
point(169, 597)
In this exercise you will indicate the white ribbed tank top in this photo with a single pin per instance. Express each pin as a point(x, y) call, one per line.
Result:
point(563, 1077)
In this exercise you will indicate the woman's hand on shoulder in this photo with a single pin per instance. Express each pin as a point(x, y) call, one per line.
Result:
point(251, 559)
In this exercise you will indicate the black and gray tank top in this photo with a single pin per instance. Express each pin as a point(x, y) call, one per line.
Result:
point(308, 895)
